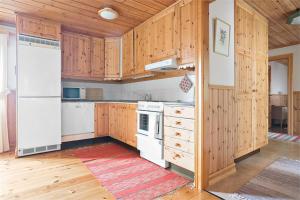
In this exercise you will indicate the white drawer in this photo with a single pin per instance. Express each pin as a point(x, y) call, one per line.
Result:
point(182, 123)
point(179, 158)
point(180, 111)
point(179, 144)
point(179, 133)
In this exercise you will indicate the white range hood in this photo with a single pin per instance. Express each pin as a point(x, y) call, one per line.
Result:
point(161, 66)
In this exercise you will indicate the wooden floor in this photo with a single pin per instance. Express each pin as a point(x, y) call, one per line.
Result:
point(59, 175)
point(250, 167)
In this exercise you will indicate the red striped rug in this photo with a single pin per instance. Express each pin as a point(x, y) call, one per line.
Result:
point(126, 175)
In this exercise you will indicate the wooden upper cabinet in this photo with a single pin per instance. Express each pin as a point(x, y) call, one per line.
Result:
point(76, 52)
point(38, 27)
point(187, 30)
point(112, 58)
point(82, 57)
point(141, 47)
point(164, 34)
point(127, 55)
point(97, 58)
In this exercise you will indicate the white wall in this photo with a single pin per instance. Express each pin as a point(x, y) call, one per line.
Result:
point(12, 54)
point(110, 91)
point(295, 50)
point(279, 78)
point(221, 70)
point(160, 90)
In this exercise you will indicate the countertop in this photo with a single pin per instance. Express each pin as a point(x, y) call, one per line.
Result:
point(99, 101)
point(170, 103)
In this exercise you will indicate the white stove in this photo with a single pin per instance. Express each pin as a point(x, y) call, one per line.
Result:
point(150, 131)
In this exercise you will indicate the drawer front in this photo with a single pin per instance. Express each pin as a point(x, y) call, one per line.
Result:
point(179, 158)
point(179, 133)
point(182, 123)
point(181, 145)
point(180, 111)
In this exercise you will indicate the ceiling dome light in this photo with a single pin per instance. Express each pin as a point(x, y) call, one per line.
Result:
point(108, 13)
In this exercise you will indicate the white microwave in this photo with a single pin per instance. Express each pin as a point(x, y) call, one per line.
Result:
point(73, 93)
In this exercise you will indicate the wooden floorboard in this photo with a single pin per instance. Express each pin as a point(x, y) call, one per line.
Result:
point(60, 175)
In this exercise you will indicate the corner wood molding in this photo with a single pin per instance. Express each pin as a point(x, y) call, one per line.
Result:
point(221, 174)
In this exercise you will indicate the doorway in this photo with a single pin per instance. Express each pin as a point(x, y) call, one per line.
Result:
point(281, 94)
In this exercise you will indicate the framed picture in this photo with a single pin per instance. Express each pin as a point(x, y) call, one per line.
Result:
point(222, 37)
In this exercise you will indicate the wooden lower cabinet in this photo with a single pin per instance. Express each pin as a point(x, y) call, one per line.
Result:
point(101, 119)
point(117, 120)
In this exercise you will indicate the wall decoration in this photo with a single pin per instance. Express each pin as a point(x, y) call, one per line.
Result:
point(221, 37)
point(186, 84)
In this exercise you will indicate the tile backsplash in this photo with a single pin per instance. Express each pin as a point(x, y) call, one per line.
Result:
point(160, 90)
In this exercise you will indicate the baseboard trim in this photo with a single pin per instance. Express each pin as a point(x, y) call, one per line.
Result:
point(221, 174)
point(246, 155)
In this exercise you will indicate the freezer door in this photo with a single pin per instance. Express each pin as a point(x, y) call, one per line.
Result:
point(39, 71)
point(39, 122)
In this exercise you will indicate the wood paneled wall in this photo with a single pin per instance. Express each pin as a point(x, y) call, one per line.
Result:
point(221, 127)
point(297, 113)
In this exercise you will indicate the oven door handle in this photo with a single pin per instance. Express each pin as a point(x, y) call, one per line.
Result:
point(158, 134)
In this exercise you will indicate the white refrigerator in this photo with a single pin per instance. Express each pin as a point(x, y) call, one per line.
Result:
point(38, 95)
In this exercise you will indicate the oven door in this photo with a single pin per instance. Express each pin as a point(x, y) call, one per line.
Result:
point(149, 124)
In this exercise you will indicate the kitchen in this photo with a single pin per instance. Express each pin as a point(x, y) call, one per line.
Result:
point(137, 89)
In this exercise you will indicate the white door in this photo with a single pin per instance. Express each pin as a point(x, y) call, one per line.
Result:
point(77, 118)
point(39, 71)
point(39, 122)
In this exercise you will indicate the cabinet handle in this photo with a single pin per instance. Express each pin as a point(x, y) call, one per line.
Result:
point(176, 156)
point(178, 112)
point(178, 145)
point(178, 134)
point(178, 123)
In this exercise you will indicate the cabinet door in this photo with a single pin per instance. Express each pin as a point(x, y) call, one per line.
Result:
point(83, 61)
point(68, 55)
point(127, 55)
point(187, 29)
point(76, 55)
point(38, 27)
point(244, 81)
point(261, 93)
point(112, 58)
point(97, 57)
point(164, 35)
point(141, 47)
point(101, 120)
point(112, 120)
point(131, 125)
point(296, 113)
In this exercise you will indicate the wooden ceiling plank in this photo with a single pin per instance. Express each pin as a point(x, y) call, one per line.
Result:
point(157, 5)
point(81, 15)
point(277, 21)
point(146, 8)
point(93, 15)
point(122, 9)
point(55, 17)
point(61, 15)
point(296, 3)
